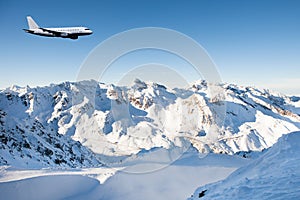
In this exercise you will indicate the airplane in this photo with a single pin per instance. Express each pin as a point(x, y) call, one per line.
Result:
point(64, 32)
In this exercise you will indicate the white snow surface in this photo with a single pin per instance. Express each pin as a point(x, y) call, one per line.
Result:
point(89, 140)
point(274, 175)
point(88, 124)
point(175, 181)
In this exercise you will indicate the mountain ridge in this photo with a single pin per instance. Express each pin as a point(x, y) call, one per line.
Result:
point(274, 175)
point(91, 121)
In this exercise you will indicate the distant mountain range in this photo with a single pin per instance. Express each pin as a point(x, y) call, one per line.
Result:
point(87, 123)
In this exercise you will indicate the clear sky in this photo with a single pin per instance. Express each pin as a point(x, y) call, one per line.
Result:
point(252, 42)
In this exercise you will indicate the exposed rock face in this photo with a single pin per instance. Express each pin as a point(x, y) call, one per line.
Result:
point(72, 124)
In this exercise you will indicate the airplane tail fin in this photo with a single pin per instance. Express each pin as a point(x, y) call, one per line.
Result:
point(31, 23)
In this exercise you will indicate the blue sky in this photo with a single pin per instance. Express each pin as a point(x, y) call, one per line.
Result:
point(254, 43)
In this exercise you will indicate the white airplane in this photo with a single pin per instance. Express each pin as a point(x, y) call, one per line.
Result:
point(65, 32)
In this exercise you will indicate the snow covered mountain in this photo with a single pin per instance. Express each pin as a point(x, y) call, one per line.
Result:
point(274, 175)
point(85, 123)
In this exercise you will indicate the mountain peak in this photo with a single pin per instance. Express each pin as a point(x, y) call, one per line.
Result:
point(108, 120)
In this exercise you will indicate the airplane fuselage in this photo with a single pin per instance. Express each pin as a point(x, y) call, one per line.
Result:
point(64, 32)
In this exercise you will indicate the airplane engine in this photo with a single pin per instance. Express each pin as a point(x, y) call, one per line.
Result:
point(64, 35)
point(74, 37)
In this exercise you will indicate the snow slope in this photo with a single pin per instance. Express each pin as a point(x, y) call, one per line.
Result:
point(274, 175)
point(175, 181)
point(87, 124)
point(47, 187)
point(51, 135)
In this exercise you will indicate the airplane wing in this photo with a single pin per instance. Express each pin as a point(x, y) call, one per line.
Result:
point(54, 32)
point(73, 36)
